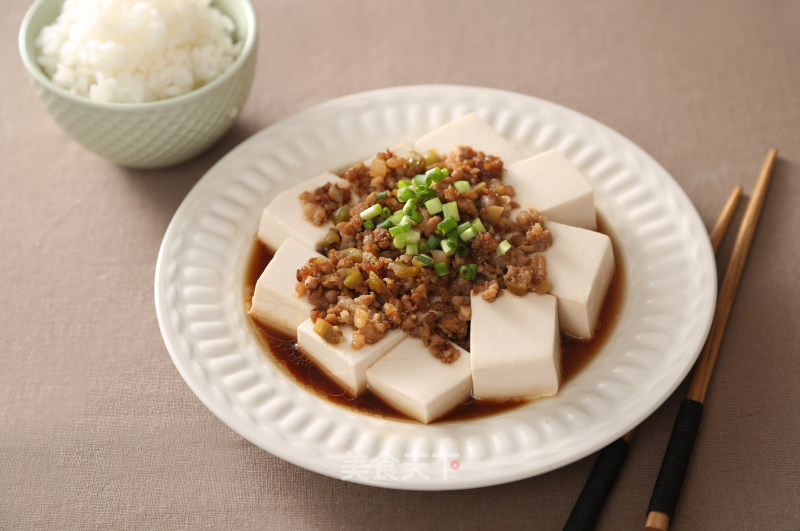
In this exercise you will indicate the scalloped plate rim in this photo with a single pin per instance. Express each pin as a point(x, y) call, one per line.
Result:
point(255, 435)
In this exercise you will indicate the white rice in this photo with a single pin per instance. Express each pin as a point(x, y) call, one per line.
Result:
point(132, 51)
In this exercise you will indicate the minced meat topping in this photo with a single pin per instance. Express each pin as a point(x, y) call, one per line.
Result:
point(424, 235)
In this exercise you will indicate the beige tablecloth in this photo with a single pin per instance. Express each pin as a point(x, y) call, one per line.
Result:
point(97, 428)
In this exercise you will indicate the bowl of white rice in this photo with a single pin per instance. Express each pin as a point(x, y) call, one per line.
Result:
point(144, 83)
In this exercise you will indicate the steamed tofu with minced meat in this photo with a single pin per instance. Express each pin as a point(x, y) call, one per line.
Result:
point(414, 382)
point(552, 185)
point(580, 266)
point(284, 218)
point(514, 341)
point(275, 301)
point(515, 346)
point(469, 130)
point(344, 364)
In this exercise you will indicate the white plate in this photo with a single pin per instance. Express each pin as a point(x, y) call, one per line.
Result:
point(671, 289)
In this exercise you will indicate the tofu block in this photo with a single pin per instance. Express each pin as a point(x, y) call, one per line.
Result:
point(345, 365)
point(515, 346)
point(275, 301)
point(398, 149)
point(283, 217)
point(550, 183)
point(469, 130)
point(413, 381)
point(580, 266)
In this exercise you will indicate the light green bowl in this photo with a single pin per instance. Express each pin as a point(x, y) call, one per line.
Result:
point(155, 134)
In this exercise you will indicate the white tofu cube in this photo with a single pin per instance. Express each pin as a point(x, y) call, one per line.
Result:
point(580, 266)
point(275, 301)
point(515, 346)
point(471, 131)
point(550, 183)
point(345, 365)
point(283, 217)
point(398, 149)
point(413, 381)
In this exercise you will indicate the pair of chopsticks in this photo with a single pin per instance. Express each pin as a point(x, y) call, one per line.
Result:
point(676, 458)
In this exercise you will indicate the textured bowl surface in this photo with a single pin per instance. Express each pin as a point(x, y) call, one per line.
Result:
point(155, 134)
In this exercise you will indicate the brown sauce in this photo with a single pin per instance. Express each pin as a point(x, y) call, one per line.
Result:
point(576, 354)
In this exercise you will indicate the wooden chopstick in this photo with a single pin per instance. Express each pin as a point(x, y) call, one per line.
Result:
point(676, 458)
point(724, 219)
point(611, 458)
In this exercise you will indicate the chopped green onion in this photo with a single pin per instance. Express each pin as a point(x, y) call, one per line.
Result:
point(386, 212)
point(503, 248)
point(449, 247)
point(452, 237)
point(403, 183)
point(477, 224)
point(405, 220)
point(371, 212)
point(412, 236)
point(441, 269)
point(412, 248)
point(462, 250)
point(434, 175)
point(381, 195)
point(369, 224)
point(416, 216)
point(473, 268)
point(464, 226)
point(424, 192)
point(423, 246)
point(409, 207)
point(478, 205)
point(445, 172)
point(386, 224)
point(399, 241)
point(433, 242)
point(450, 210)
point(465, 272)
point(462, 186)
point(447, 225)
point(468, 234)
point(400, 229)
point(424, 259)
point(396, 217)
point(434, 205)
point(419, 179)
point(406, 194)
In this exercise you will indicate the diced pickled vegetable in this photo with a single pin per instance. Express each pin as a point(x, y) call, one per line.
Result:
point(431, 157)
point(376, 284)
point(493, 213)
point(416, 162)
point(341, 214)
point(328, 332)
point(352, 277)
point(404, 270)
point(354, 253)
point(331, 240)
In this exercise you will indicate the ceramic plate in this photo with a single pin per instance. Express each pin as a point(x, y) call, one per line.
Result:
point(662, 243)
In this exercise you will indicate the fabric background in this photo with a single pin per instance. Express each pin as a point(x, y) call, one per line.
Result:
point(97, 428)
